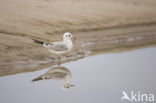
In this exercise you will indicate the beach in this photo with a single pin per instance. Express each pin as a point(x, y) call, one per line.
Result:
point(101, 26)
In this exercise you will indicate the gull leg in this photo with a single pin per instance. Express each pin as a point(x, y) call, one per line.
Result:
point(59, 61)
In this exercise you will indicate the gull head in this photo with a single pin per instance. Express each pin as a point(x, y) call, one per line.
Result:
point(67, 86)
point(67, 35)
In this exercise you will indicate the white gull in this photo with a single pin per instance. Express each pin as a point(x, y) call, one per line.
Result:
point(59, 48)
point(56, 73)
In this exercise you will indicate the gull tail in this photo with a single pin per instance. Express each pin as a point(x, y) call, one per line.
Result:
point(37, 79)
point(38, 41)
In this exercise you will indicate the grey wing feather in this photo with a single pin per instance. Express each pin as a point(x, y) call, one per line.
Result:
point(58, 46)
point(59, 75)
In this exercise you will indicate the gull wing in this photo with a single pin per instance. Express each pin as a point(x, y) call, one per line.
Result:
point(59, 75)
point(54, 75)
point(58, 46)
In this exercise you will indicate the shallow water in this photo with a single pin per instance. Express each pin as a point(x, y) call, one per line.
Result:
point(100, 78)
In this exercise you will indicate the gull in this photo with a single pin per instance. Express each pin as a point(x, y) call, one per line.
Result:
point(57, 73)
point(59, 48)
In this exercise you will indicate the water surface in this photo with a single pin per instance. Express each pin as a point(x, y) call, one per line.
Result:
point(100, 79)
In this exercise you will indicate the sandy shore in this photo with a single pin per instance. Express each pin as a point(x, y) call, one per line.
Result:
point(100, 26)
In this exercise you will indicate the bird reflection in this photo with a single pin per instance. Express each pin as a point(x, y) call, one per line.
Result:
point(57, 73)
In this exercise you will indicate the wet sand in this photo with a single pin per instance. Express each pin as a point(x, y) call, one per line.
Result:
point(100, 26)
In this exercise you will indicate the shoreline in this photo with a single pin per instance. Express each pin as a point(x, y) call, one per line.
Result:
point(107, 41)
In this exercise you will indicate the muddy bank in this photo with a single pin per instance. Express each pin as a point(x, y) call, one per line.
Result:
point(36, 57)
point(100, 26)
